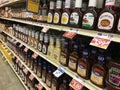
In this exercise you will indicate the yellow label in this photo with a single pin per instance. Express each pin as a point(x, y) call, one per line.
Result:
point(97, 79)
point(53, 87)
point(63, 58)
point(48, 82)
point(50, 51)
point(57, 54)
point(72, 63)
point(81, 71)
point(35, 16)
point(44, 18)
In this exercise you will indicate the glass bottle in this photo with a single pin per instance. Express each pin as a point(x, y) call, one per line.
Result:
point(40, 44)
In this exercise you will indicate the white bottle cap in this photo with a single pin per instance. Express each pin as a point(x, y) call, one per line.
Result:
point(92, 3)
point(78, 3)
point(52, 4)
point(67, 3)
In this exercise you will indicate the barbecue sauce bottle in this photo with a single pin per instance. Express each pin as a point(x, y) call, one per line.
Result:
point(51, 11)
point(90, 16)
point(108, 16)
point(66, 13)
point(57, 14)
point(76, 15)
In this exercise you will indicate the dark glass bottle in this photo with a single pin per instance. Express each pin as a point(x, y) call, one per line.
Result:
point(39, 67)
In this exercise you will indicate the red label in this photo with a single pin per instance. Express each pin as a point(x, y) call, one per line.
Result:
point(45, 29)
point(20, 45)
point(31, 77)
point(25, 70)
point(26, 49)
point(34, 55)
point(98, 71)
point(83, 64)
point(100, 42)
point(39, 86)
point(76, 85)
point(69, 34)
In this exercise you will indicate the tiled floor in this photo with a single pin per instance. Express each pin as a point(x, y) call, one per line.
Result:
point(8, 79)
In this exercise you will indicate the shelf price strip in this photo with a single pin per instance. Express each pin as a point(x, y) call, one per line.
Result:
point(75, 84)
point(101, 41)
point(59, 72)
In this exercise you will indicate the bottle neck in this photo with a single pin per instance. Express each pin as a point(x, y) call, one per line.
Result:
point(78, 4)
point(59, 4)
point(67, 3)
point(92, 3)
point(52, 5)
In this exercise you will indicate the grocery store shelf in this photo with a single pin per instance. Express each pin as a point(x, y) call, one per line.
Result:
point(40, 80)
point(14, 70)
point(12, 2)
point(90, 33)
point(86, 83)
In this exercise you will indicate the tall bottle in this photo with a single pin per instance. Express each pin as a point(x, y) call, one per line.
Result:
point(89, 20)
point(44, 11)
point(76, 15)
point(57, 50)
point(36, 41)
point(73, 58)
point(58, 11)
point(40, 44)
point(108, 16)
point(98, 71)
point(118, 25)
point(51, 11)
point(66, 13)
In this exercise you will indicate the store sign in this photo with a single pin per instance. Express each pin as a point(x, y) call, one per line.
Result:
point(45, 29)
point(33, 6)
point(70, 34)
point(101, 41)
point(76, 85)
point(58, 72)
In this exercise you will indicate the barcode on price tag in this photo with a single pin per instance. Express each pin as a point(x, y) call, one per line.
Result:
point(45, 29)
point(76, 84)
point(70, 34)
point(101, 41)
point(59, 72)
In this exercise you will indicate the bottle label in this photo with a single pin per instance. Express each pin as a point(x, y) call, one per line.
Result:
point(59, 4)
point(54, 87)
point(50, 17)
point(56, 55)
point(50, 51)
point(43, 77)
point(44, 15)
point(112, 2)
point(63, 58)
point(44, 50)
point(56, 18)
point(72, 63)
point(97, 76)
point(114, 76)
point(39, 72)
point(35, 44)
point(118, 27)
point(106, 21)
point(40, 47)
point(48, 82)
point(88, 20)
point(65, 18)
point(74, 18)
point(81, 70)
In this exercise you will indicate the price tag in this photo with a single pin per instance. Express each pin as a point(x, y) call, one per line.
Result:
point(26, 49)
point(39, 86)
point(31, 77)
point(34, 55)
point(20, 45)
point(45, 29)
point(70, 34)
point(75, 84)
point(59, 72)
point(101, 41)
point(17, 60)
point(25, 71)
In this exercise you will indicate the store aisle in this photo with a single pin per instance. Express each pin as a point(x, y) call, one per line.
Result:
point(8, 79)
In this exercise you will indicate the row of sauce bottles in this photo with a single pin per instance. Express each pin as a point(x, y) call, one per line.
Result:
point(77, 13)
point(41, 68)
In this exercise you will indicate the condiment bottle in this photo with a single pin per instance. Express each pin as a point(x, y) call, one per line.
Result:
point(36, 41)
point(51, 47)
point(90, 16)
point(40, 13)
point(73, 58)
point(25, 52)
point(29, 58)
point(98, 72)
point(57, 50)
point(33, 38)
point(29, 37)
point(76, 15)
point(108, 16)
point(66, 13)
point(40, 44)
point(58, 11)
point(51, 11)
point(113, 75)
point(84, 67)
point(39, 67)
point(118, 26)
point(64, 56)
point(44, 71)
point(45, 44)
point(44, 11)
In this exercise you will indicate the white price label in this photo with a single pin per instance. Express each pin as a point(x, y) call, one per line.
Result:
point(45, 29)
point(59, 72)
